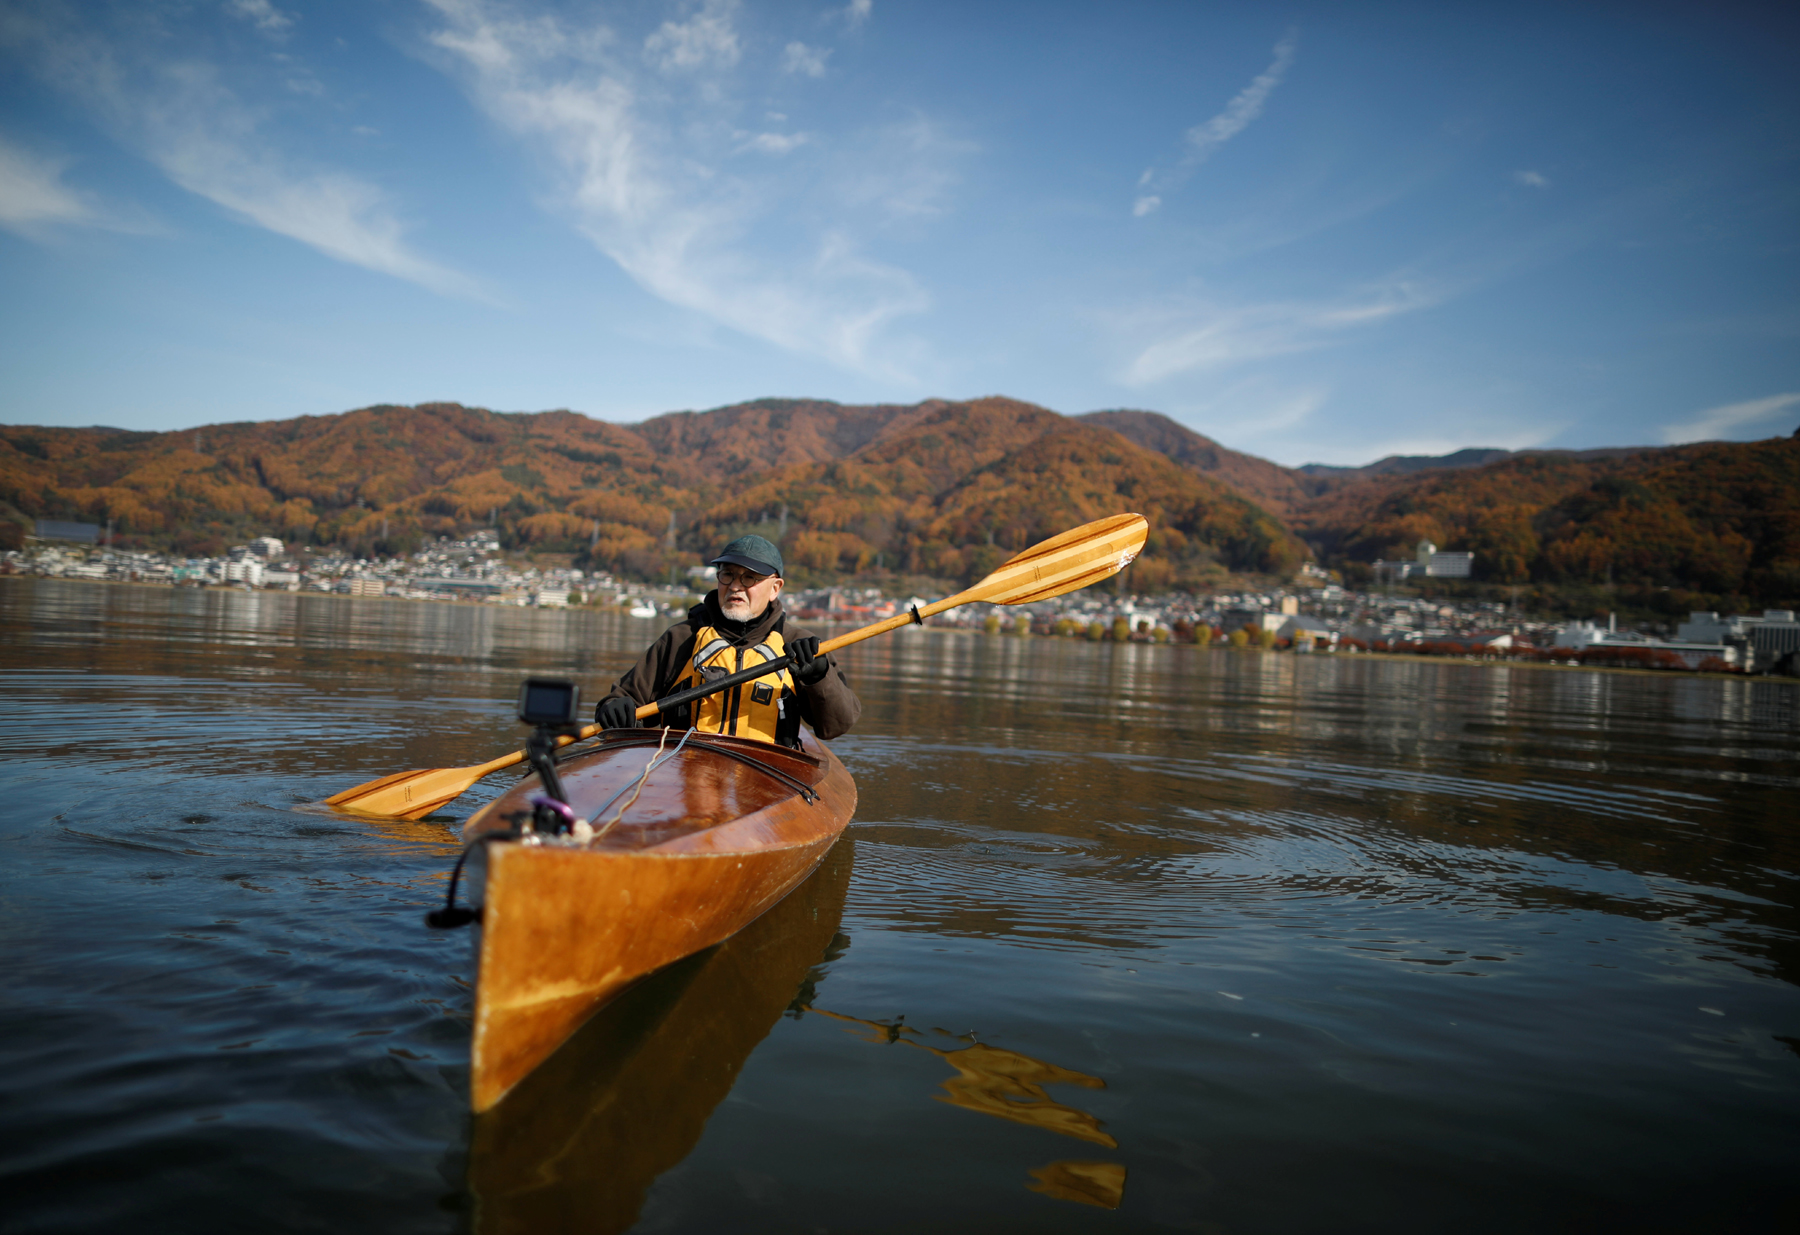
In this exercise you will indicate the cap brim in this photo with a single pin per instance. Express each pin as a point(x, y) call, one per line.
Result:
point(738, 559)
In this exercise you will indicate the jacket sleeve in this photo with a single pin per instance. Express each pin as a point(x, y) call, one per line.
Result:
point(657, 669)
point(828, 706)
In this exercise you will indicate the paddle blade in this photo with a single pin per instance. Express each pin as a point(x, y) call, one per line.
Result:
point(407, 795)
point(1065, 563)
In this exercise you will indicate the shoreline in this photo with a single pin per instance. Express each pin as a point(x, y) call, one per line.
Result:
point(617, 611)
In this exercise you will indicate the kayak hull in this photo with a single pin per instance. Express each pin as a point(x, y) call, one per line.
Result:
point(638, 1082)
point(708, 843)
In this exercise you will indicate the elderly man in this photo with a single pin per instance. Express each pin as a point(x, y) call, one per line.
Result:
point(738, 625)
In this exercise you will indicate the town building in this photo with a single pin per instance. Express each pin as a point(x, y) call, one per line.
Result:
point(1428, 561)
point(1593, 643)
point(1761, 641)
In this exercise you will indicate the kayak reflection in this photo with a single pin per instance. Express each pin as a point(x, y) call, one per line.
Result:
point(640, 1079)
point(991, 1080)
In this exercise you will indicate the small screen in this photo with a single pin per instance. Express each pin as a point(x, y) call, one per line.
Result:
point(547, 699)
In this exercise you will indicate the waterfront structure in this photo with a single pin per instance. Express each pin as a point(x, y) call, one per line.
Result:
point(1593, 643)
point(1307, 633)
point(1761, 641)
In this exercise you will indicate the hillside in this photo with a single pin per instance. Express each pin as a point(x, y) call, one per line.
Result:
point(1280, 490)
point(936, 488)
point(964, 486)
point(939, 488)
point(1473, 456)
point(1711, 525)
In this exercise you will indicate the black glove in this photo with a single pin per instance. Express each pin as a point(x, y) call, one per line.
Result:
point(616, 712)
point(808, 667)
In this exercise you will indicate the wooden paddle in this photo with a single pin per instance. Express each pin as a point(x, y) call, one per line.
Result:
point(1065, 563)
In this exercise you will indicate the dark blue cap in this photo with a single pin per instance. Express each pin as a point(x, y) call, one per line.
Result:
point(752, 552)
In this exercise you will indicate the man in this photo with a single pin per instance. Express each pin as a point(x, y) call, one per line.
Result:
point(739, 624)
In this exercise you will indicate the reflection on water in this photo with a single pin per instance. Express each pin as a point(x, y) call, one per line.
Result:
point(1294, 943)
point(1007, 1085)
point(992, 1081)
point(1086, 1183)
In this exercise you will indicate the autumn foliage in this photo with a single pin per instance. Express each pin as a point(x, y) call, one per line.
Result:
point(1716, 521)
point(939, 489)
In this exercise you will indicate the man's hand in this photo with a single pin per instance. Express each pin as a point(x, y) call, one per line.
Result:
point(616, 712)
point(808, 666)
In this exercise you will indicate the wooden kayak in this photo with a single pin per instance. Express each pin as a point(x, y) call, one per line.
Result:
point(578, 1143)
point(714, 836)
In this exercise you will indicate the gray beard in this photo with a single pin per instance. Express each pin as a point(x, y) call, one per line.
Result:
point(742, 611)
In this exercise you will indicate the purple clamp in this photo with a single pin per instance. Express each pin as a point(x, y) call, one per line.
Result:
point(561, 808)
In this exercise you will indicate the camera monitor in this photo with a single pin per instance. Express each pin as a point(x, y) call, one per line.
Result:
point(549, 701)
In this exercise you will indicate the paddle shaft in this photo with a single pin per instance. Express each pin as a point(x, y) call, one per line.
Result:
point(1064, 563)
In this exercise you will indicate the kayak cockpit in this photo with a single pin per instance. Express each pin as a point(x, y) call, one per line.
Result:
point(712, 780)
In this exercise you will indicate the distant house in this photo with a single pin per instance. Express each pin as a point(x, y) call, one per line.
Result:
point(1256, 619)
point(1307, 633)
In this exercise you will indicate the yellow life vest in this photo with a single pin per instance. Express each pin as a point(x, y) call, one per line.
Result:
point(751, 710)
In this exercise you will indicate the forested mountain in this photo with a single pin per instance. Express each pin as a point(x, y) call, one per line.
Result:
point(1678, 527)
point(938, 488)
point(943, 489)
point(1280, 490)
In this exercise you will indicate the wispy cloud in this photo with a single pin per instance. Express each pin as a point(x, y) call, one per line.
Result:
point(1194, 336)
point(33, 196)
point(855, 13)
point(182, 116)
point(806, 61)
point(646, 174)
point(775, 143)
point(261, 14)
point(905, 170)
point(1716, 423)
point(1203, 139)
point(1531, 179)
point(707, 39)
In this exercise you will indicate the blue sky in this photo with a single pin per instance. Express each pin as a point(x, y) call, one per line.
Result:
point(1316, 232)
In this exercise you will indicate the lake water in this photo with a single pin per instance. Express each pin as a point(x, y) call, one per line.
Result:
point(1122, 938)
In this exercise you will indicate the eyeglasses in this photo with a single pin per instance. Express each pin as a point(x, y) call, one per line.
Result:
point(737, 576)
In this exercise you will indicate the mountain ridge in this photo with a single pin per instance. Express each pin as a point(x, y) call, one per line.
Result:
point(936, 488)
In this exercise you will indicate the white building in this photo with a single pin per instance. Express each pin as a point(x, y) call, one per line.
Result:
point(248, 571)
point(1763, 640)
point(1438, 565)
point(1428, 561)
point(1577, 637)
